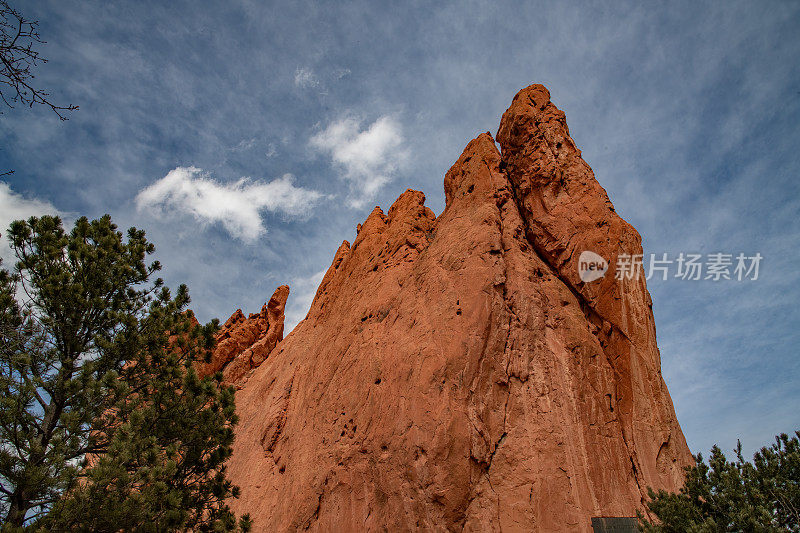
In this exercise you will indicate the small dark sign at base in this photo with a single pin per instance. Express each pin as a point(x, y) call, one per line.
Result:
point(607, 524)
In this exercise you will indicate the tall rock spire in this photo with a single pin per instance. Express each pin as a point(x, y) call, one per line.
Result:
point(456, 373)
point(566, 211)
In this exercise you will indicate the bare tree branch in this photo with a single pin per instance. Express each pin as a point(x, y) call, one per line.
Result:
point(18, 58)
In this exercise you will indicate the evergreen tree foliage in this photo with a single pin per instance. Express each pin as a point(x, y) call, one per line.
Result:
point(722, 495)
point(105, 425)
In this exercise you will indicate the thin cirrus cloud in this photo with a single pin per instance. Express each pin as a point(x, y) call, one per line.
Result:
point(237, 206)
point(304, 289)
point(367, 159)
point(305, 78)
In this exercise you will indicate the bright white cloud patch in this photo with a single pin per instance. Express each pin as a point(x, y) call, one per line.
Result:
point(305, 78)
point(368, 158)
point(237, 206)
point(13, 207)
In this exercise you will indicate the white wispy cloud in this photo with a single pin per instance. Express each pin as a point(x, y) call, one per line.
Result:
point(14, 206)
point(367, 158)
point(244, 145)
point(305, 78)
point(341, 73)
point(237, 206)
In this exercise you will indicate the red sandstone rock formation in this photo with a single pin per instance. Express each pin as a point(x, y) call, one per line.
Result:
point(244, 342)
point(454, 373)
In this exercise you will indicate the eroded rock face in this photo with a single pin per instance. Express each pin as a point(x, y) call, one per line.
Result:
point(243, 343)
point(454, 372)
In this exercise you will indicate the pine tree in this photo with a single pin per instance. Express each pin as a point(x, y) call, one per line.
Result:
point(722, 495)
point(104, 423)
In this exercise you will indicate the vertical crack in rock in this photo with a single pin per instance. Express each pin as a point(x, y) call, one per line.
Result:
point(277, 421)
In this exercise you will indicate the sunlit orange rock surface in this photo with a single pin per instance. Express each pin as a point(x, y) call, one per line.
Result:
point(244, 342)
point(454, 372)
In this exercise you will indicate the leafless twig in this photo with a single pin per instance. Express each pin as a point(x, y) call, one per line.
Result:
point(18, 36)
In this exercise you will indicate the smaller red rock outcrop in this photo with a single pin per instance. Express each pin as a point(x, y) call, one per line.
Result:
point(243, 343)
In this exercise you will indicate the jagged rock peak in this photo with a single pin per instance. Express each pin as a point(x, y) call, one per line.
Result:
point(244, 342)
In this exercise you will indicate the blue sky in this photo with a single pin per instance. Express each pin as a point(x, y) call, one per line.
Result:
point(304, 116)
